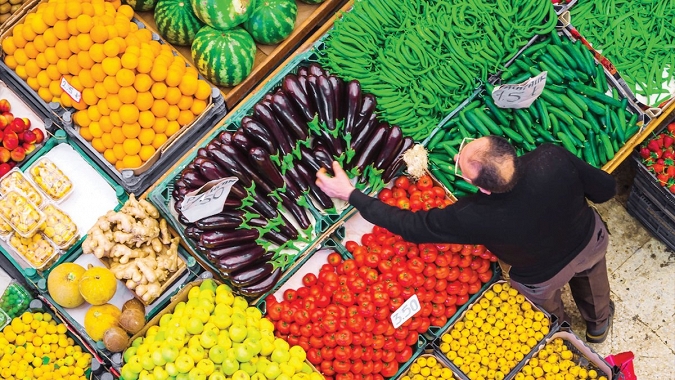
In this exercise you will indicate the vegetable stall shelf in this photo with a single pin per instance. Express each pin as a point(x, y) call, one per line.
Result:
point(268, 57)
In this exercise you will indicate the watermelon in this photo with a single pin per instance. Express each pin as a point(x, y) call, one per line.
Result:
point(176, 21)
point(224, 57)
point(141, 5)
point(222, 14)
point(272, 20)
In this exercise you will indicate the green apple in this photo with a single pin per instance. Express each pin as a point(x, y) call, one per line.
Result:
point(296, 362)
point(258, 376)
point(241, 375)
point(171, 369)
point(307, 369)
point(169, 352)
point(184, 363)
point(242, 353)
point(131, 351)
point(208, 284)
point(266, 324)
point(173, 342)
point(179, 332)
point(221, 321)
point(158, 358)
point(206, 366)
point(223, 309)
point(280, 355)
point(283, 376)
point(300, 376)
point(194, 341)
point(222, 288)
point(225, 298)
point(254, 313)
point(208, 338)
point(238, 318)
point(240, 303)
point(210, 326)
point(262, 364)
point(253, 333)
point(145, 375)
point(160, 373)
point(128, 374)
point(180, 306)
point(224, 340)
point(282, 344)
point(217, 375)
point(252, 345)
point(249, 367)
point(160, 336)
point(147, 362)
point(194, 326)
point(193, 293)
point(298, 352)
point(207, 303)
point(137, 342)
point(272, 371)
point(182, 376)
point(197, 353)
point(287, 369)
point(230, 365)
point(134, 364)
point(217, 354)
point(196, 374)
point(202, 314)
point(266, 346)
point(237, 332)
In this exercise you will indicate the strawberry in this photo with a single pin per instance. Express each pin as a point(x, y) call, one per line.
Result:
point(672, 188)
point(644, 153)
point(667, 141)
point(671, 127)
point(663, 179)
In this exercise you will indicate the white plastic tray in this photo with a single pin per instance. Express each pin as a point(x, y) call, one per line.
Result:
point(20, 109)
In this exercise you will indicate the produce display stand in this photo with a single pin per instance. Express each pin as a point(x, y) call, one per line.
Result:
point(268, 57)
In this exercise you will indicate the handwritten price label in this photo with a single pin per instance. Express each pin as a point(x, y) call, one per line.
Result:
point(70, 90)
point(207, 200)
point(406, 311)
point(519, 95)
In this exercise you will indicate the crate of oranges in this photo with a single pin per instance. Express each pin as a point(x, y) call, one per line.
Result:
point(564, 356)
point(429, 366)
point(116, 87)
point(494, 334)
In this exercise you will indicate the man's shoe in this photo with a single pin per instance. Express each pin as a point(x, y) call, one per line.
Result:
point(600, 335)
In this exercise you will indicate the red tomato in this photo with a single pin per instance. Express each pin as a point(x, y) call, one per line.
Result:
point(290, 295)
point(367, 239)
point(309, 279)
point(389, 369)
point(327, 368)
point(351, 246)
point(461, 300)
point(385, 194)
point(404, 355)
point(428, 195)
point(403, 203)
point(334, 259)
point(391, 202)
point(314, 357)
point(424, 183)
point(412, 188)
point(402, 182)
point(398, 193)
point(439, 192)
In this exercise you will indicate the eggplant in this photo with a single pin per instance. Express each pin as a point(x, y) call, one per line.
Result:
point(241, 260)
point(262, 287)
point(251, 274)
point(372, 148)
point(180, 184)
point(183, 220)
point(190, 166)
point(260, 134)
point(223, 221)
point(241, 141)
point(303, 71)
point(318, 194)
point(265, 115)
point(260, 205)
point(220, 238)
point(324, 158)
point(353, 105)
point(296, 92)
point(261, 161)
point(368, 105)
point(298, 212)
point(179, 192)
point(307, 157)
point(398, 162)
point(242, 162)
point(364, 134)
point(230, 164)
point(193, 232)
point(275, 237)
point(225, 137)
point(315, 69)
point(202, 152)
point(289, 116)
point(314, 93)
point(216, 254)
point(232, 202)
point(192, 178)
point(210, 169)
point(292, 177)
point(391, 146)
point(327, 102)
point(338, 93)
point(288, 229)
point(304, 85)
point(215, 143)
point(176, 205)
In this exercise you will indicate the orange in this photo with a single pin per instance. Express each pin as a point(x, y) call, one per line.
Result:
point(43, 78)
point(122, 28)
point(160, 108)
point(17, 36)
point(86, 78)
point(146, 119)
point(188, 85)
point(132, 161)
point(97, 143)
point(99, 7)
point(159, 140)
point(31, 50)
point(84, 60)
point(32, 68)
point(144, 35)
point(117, 135)
point(93, 113)
point(111, 48)
point(62, 66)
point(173, 77)
point(97, 73)
point(185, 117)
point(118, 150)
point(173, 95)
point(8, 46)
point(132, 41)
point(60, 11)
point(131, 146)
point(128, 95)
point(121, 43)
point(27, 33)
point(131, 131)
point(158, 73)
point(126, 10)
point(82, 119)
point(160, 125)
point(146, 152)
point(84, 132)
point(38, 42)
point(125, 77)
point(84, 23)
point(95, 129)
point(106, 124)
point(84, 42)
point(38, 24)
point(144, 101)
point(10, 61)
point(55, 89)
point(72, 45)
point(114, 104)
point(99, 33)
point(198, 106)
point(99, 90)
point(66, 101)
point(73, 66)
point(129, 113)
point(88, 9)
point(111, 85)
point(49, 38)
point(112, 32)
point(96, 53)
point(144, 65)
point(107, 19)
point(107, 141)
point(142, 83)
point(53, 73)
point(75, 82)
point(21, 57)
point(41, 61)
point(203, 90)
point(48, 15)
point(21, 72)
point(172, 128)
point(158, 90)
point(111, 65)
point(173, 113)
point(33, 83)
point(61, 30)
point(89, 97)
point(146, 136)
point(72, 27)
point(63, 50)
point(185, 103)
point(109, 155)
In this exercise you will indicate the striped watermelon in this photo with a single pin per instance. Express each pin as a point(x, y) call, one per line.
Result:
point(141, 5)
point(222, 14)
point(272, 20)
point(176, 21)
point(225, 57)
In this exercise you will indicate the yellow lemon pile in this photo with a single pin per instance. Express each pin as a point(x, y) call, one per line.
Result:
point(495, 334)
point(34, 346)
point(135, 93)
point(428, 368)
point(558, 362)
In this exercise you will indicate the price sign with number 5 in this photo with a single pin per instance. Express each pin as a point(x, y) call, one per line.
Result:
point(207, 200)
point(406, 311)
point(519, 95)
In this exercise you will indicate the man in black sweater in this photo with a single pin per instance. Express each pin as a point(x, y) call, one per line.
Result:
point(531, 213)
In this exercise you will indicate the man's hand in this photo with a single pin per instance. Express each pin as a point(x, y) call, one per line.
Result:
point(335, 187)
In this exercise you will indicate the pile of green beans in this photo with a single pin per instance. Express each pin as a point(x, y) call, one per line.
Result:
point(422, 58)
point(637, 36)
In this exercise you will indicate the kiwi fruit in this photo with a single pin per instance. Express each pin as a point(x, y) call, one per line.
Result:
point(115, 339)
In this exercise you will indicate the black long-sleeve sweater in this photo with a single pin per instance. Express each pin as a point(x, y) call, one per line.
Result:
point(538, 227)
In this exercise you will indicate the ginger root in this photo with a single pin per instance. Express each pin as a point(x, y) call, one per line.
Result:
point(148, 292)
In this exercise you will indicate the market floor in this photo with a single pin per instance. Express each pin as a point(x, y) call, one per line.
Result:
point(642, 279)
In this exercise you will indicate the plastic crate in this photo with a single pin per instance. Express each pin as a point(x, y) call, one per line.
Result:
point(429, 352)
point(15, 299)
point(657, 222)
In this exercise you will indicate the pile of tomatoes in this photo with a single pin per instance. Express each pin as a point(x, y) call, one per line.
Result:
point(422, 195)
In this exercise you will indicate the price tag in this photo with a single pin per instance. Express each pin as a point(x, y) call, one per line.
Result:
point(406, 311)
point(519, 95)
point(207, 200)
point(70, 90)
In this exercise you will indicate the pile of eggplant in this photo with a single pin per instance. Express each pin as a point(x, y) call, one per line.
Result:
point(313, 119)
